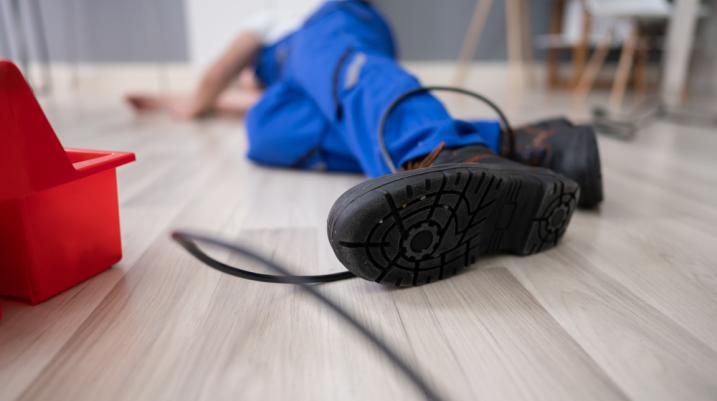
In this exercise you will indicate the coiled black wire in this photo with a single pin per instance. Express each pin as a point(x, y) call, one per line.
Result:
point(189, 242)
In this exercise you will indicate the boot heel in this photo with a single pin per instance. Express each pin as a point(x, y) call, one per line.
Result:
point(551, 219)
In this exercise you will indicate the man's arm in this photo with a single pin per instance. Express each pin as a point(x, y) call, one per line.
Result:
point(240, 53)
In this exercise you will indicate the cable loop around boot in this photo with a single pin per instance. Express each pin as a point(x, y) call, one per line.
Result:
point(424, 89)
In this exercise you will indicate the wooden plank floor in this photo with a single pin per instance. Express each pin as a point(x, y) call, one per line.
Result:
point(624, 308)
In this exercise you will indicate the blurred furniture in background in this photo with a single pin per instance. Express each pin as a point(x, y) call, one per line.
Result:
point(579, 25)
point(622, 20)
point(625, 24)
point(518, 32)
point(25, 32)
point(574, 28)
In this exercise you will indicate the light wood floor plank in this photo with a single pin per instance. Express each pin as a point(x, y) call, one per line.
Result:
point(505, 344)
point(647, 354)
point(624, 308)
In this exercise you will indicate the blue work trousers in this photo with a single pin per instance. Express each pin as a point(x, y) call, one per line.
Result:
point(327, 86)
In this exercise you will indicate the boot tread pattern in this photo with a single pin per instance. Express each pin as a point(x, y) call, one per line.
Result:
point(422, 229)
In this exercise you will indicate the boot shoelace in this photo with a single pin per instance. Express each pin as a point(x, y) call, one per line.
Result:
point(190, 242)
point(426, 161)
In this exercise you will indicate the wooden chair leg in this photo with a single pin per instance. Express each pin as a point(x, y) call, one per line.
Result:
point(597, 59)
point(623, 69)
point(642, 58)
point(553, 56)
point(515, 48)
point(580, 52)
point(471, 40)
point(527, 41)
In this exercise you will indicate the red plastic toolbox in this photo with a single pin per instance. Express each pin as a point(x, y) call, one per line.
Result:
point(59, 217)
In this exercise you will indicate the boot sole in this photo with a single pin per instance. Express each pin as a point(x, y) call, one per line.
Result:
point(425, 225)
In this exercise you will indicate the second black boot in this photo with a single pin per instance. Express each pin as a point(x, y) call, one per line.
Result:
point(567, 149)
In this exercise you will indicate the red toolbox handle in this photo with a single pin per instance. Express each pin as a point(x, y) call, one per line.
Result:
point(87, 162)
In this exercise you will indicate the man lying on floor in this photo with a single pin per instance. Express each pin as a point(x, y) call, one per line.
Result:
point(335, 98)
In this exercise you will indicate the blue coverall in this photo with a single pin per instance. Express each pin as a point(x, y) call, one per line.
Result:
point(327, 85)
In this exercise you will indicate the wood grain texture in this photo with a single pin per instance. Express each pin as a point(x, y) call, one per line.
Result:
point(624, 308)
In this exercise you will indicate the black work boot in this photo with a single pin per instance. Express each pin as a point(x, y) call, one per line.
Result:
point(443, 212)
point(567, 149)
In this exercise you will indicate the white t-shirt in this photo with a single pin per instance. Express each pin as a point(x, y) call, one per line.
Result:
point(273, 24)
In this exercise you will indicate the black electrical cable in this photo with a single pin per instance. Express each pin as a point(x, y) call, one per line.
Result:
point(193, 249)
point(189, 242)
point(384, 118)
